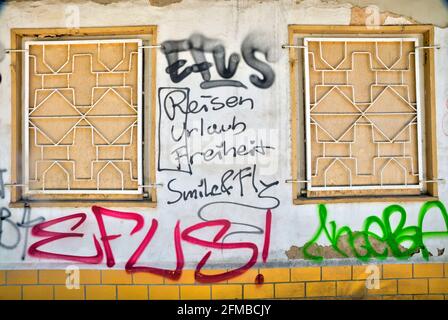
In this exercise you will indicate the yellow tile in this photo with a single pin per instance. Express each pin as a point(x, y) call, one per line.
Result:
point(147, 278)
point(38, 293)
point(351, 288)
point(275, 274)
point(101, 292)
point(90, 276)
point(227, 291)
point(397, 271)
point(400, 297)
point(438, 285)
point(21, 277)
point(187, 277)
point(429, 297)
point(10, 293)
point(320, 289)
point(412, 286)
point(305, 274)
point(62, 293)
point(2, 277)
point(256, 291)
point(386, 287)
point(247, 277)
point(115, 277)
point(337, 273)
point(164, 292)
point(132, 292)
point(214, 272)
point(362, 272)
point(428, 270)
point(289, 290)
point(52, 276)
point(195, 292)
point(372, 297)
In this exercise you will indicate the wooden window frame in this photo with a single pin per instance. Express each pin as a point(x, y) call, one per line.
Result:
point(17, 41)
point(430, 150)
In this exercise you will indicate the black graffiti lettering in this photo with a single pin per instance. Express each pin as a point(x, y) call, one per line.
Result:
point(2, 184)
point(223, 150)
point(219, 55)
point(240, 177)
point(221, 83)
point(198, 46)
point(170, 104)
point(26, 223)
point(231, 180)
point(5, 216)
point(226, 176)
point(175, 108)
point(248, 49)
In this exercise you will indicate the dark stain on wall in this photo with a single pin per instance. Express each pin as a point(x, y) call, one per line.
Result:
point(163, 3)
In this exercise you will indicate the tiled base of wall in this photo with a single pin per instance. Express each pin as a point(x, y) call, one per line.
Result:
point(398, 281)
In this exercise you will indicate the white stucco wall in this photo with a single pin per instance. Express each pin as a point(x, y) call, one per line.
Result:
point(231, 22)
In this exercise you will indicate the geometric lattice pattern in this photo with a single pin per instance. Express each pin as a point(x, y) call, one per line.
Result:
point(363, 114)
point(83, 117)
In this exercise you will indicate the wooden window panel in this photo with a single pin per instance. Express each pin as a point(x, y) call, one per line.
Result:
point(113, 155)
point(337, 75)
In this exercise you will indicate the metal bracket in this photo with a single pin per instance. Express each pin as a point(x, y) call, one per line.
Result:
point(296, 181)
point(151, 46)
point(12, 185)
point(8, 51)
point(286, 46)
point(434, 181)
point(436, 46)
point(151, 185)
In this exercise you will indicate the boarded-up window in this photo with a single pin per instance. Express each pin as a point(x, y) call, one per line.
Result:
point(361, 113)
point(88, 120)
point(84, 117)
point(363, 109)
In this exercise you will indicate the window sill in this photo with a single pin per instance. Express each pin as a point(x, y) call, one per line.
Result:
point(348, 199)
point(84, 204)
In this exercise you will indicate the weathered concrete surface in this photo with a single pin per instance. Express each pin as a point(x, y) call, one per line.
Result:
point(421, 11)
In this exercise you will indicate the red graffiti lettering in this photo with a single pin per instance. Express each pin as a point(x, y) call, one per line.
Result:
point(225, 224)
point(267, 236)
point(105, 238)
point(40, 231)
point(172, 274)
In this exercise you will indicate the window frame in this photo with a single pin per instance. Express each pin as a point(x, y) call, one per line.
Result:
point(430, 144)
point(19, 37)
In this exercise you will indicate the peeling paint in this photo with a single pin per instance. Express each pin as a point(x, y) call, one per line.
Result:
point(360, 17)
point(417, 11)
point(327, 252)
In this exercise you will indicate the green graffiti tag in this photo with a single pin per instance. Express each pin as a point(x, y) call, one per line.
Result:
point(392, 236)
